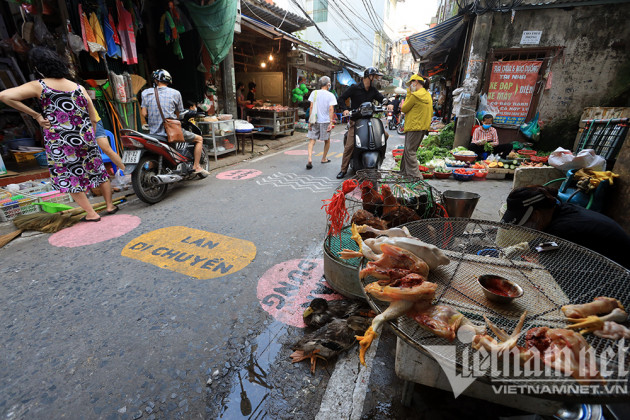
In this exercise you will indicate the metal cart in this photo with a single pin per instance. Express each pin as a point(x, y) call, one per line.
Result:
point(219, 131)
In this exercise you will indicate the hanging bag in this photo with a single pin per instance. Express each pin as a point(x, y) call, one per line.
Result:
point(173, 127)
point(312, 119)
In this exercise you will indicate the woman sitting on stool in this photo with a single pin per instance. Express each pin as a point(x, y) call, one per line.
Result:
point(486, 133)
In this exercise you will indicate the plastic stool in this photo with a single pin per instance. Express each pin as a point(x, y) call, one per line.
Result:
point(112, 143)
point(242, 137)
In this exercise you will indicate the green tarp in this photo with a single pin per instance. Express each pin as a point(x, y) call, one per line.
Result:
point(215, 24)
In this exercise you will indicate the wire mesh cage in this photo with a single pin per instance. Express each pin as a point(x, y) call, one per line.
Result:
point(383, 199)
point(568, 274)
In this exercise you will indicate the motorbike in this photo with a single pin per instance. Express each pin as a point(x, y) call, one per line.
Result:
point(369, 137)
point(392, 120)
point(400, 128)
point(154, 163)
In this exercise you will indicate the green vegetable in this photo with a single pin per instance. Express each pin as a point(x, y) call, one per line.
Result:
point(459, 149)
point(425, 154)
point(488, 148)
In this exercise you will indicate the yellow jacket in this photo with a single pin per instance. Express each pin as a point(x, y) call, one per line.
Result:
point(418, 109)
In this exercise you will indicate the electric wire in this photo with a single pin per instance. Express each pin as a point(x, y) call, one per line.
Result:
point(332, 44)
point(345, 18)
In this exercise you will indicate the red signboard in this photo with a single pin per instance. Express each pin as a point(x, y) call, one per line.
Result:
point(511, 88)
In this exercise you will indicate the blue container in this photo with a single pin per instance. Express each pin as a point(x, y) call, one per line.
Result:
point(41, 159)
point(489, 252)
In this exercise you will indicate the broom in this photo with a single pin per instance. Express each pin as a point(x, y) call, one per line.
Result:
point(5, 239)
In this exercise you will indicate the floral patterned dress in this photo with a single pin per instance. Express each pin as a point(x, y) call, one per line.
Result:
point(74, 158)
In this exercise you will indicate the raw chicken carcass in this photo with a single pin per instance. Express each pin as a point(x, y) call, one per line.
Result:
point(593, 322)
point(402, 299)
point(442, 320)
point(394, 257)
point(431, 254)
point(561, 349)
point(613, 331)
point(506, 341)
point(400, 238)
point(600, 305)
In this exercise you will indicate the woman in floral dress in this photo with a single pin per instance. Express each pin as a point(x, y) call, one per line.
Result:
point(74, 159)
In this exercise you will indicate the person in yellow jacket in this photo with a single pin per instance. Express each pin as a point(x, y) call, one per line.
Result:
point(418, 109)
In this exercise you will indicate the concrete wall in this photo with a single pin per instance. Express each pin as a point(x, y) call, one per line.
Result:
point(596, 41)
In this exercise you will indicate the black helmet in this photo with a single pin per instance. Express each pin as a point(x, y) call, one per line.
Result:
point(371, 71)
point(163, 76)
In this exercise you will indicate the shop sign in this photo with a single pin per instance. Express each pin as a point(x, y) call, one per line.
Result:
point(286, 289)
point(192, 252)
point(531, 37)
point(511, 88)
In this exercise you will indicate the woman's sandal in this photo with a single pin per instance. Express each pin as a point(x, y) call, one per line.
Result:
point(326, 161)
point(83, 219)
point(309, 165)
point(113, 211)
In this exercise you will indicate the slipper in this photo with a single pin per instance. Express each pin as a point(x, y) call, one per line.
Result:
point(326, 161)
point(202, 172)
point(83, 219)
point(309, 165)
point(113, 211)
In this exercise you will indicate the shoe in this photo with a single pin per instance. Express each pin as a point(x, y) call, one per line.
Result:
point(113, 211)
point(202, 172)
point(326, 161)
point(83, 219)
point(341, 175)
point(309, 165)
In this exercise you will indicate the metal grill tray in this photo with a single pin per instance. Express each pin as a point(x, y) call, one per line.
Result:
point(569, 275)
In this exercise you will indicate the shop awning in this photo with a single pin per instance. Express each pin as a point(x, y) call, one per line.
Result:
point(276, 33)
point(433, 45)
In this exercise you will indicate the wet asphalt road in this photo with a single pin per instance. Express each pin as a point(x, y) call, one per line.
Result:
point(89, 333)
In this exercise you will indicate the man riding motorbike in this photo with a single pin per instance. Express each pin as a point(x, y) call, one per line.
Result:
point(358, 94)
point(172, 107)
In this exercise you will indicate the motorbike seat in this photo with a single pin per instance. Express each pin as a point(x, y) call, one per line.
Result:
point(144, 136)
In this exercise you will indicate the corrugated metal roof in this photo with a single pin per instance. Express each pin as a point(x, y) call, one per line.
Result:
point(274, 15)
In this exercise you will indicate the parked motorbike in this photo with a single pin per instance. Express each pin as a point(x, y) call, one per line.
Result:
point(370, 139)
point(155, 163)
point(392, 120)
point(400, 128)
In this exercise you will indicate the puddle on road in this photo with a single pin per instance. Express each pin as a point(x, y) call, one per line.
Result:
point(247, 398)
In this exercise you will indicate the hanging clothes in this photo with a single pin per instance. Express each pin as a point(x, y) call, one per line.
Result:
point(171, 31)
point(83, 22)
point(99, 37)
point(127, 35)
point(111, 37)
point(90, 38)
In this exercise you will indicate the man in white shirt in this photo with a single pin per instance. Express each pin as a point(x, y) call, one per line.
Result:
point(323, 105)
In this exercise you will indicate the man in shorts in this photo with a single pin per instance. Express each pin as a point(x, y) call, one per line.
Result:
point(323, 105)
point(172, 105)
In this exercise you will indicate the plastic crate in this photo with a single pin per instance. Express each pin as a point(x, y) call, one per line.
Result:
point(15, 205)
point(23, 157)
point(53, 197)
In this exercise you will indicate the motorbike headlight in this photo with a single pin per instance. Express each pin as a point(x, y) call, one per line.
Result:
point(383, 139)
point(357, 141)
point(366, 111)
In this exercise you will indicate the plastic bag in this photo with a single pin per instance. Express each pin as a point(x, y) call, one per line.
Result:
point(485, 108)
point(121, 181)
point(531, 130)
point(565, 160)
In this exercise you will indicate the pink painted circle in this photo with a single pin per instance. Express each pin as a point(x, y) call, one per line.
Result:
point(286, 289)
point(89, 233)
point(296, 152)
point(239, 174)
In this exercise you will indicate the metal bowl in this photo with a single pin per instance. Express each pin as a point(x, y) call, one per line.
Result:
point(492, 286)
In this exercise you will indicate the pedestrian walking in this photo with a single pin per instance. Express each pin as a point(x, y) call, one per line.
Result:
point(68, 120)
point(322, 114)
point(418, 109)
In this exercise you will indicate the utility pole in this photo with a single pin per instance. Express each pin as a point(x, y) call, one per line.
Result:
point(474, 72)
point(228, 84)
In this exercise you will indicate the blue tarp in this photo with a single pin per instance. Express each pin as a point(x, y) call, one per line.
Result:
point(345, 78)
